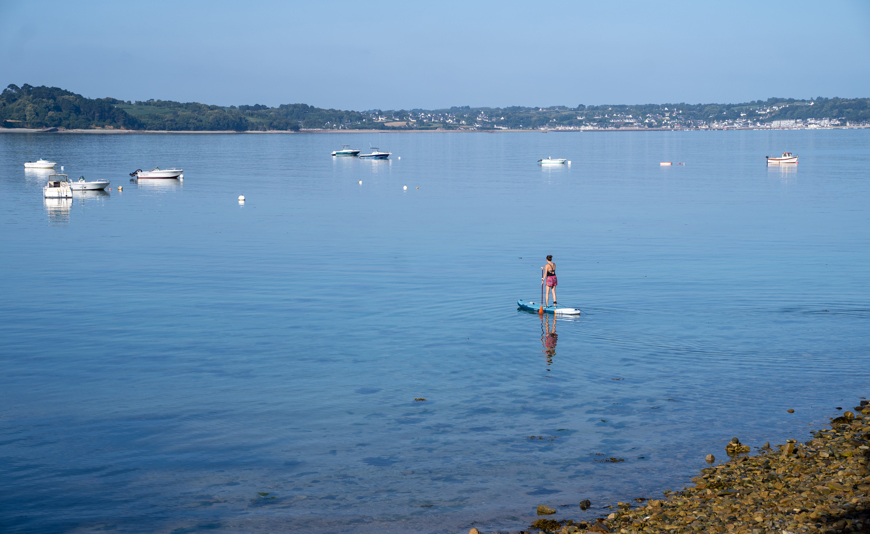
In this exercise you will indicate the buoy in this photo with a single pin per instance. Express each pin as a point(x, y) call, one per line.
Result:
point(181, 177)
point(400, 157)
point(241, 198)
point(120, 188)
point(405, 188)
point(569, 162)
point(665, 164)
point(418, 188)
point(61, 167)
point(360, 182)
point(110, 189)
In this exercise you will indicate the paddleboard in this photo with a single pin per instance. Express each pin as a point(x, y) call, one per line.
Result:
point(535, 306)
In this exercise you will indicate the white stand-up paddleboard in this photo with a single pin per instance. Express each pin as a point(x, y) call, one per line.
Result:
point(536, 306)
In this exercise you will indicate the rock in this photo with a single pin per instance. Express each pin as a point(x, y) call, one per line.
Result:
point(790, 410)
point(735, 447)
point(710, 458)
point(818, 486)
point(545, 510)
point(848, 415)
point(584, 505)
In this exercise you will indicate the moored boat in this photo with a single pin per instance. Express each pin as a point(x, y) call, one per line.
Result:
point(157, 173)
point(551, 161)
point(40, 164)
point(84, 185)
point(57, 187)
point(787, 157)
point(346, 151)
point(376, 154)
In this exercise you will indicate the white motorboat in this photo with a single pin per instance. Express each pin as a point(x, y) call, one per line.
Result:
point(551, 161)
point(57, 187)
point(83, 185)
point(376, 154)
point(40, 164)
point(787, 157)
point(346, 151)
point(157, 173)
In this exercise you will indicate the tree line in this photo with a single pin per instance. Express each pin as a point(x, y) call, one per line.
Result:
point(47, 107)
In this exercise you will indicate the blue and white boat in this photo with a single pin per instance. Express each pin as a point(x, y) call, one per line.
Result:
point(376, 154)
point(346, 151)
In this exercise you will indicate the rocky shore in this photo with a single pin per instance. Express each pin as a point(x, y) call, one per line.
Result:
point(821, 486)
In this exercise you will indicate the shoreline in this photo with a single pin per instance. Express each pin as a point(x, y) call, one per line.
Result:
point(820, 486)
point(100, 131)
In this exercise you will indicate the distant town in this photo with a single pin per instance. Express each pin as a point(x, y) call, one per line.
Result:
point(55, 109)
point(608, 118)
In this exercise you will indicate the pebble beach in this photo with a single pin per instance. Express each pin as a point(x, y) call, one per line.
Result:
point(820, 486)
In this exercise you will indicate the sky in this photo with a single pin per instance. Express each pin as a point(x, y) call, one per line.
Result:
point(431, 55)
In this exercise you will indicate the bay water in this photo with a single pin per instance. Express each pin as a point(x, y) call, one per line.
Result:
point(174, 361)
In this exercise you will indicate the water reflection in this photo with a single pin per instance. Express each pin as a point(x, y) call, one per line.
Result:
point(786, 173)
point(549, 337)
point(58, 210)
point(38, 175)
point(380, 165)
point(160, 185)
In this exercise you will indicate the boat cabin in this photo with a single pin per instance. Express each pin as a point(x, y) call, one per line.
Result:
point(55, 180)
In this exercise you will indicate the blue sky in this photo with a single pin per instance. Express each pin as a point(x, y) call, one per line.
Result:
point(393, 55)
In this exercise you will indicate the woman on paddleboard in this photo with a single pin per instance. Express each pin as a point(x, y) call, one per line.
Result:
point(550, 280)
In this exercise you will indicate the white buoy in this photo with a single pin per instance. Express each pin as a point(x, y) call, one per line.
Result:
point(400, 157)
point(241, 198)
point(569, 162)
point(360, 182)
point(61, 167)
point(120, 188)
point(405, 188)
point(181, 177)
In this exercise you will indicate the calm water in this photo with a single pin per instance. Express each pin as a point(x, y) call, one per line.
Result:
point(168, 355)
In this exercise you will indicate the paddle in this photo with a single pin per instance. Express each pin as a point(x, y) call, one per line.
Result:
point(541, 311)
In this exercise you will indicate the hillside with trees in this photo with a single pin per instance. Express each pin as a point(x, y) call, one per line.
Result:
point(51, 107)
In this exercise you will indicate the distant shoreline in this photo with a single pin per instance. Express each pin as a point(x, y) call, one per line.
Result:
point(100, 131)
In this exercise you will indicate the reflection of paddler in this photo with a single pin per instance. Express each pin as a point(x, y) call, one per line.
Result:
point(549, 338)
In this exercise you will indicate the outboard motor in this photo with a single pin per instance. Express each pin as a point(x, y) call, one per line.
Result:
point(135, 172)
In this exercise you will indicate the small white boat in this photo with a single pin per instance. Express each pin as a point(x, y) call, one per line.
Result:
point(345, 151)
point(83, 185)
point(40, 164)
point(158, 173)
point(551, 161)
point(787, 157)
point(376, 154)
point(57, 187)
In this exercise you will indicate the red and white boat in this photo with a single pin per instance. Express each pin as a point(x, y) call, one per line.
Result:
point(158, 173)
point(787, 157)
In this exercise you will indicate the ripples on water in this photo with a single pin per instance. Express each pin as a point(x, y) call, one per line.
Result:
point(174, 360)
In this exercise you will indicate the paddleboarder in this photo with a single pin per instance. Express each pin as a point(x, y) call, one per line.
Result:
point(550, 280)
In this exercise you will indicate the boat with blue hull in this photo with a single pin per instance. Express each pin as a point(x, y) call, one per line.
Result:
point(376, 154)
point(529, 306)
